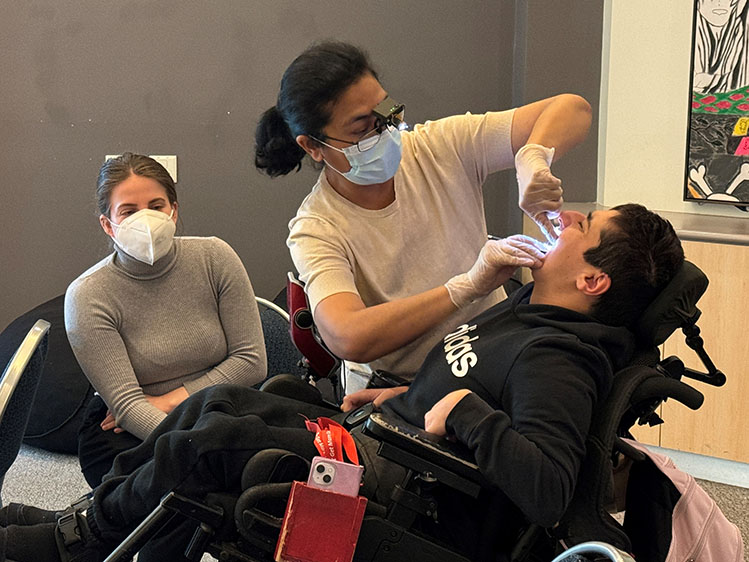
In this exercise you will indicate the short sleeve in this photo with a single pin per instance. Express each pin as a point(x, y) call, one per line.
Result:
point(321, 258)
point(481, 143)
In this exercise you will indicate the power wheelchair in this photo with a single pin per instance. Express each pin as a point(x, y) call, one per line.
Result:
point(245, 529)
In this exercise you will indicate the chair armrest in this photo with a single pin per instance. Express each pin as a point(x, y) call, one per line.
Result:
point(451, 463)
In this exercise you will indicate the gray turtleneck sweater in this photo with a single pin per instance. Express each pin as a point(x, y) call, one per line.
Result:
point(189, 320)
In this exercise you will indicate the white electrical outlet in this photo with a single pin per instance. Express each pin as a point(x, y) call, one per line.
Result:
point(169, 161)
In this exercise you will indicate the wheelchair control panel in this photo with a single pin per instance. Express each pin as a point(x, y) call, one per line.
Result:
point(358, 416)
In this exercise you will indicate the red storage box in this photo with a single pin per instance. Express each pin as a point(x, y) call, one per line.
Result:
point(319, 526)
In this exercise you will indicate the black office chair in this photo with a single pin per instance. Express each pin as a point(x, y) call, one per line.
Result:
point(64, 391)
point(283, 356)
point(389, 532)
point(313, 362)
point(287, 370)
point(17, 390)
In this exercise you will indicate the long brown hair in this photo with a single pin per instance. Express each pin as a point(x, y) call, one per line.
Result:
point(116, 170)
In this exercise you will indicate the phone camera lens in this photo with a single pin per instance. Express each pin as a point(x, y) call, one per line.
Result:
point(320, 468)
point(327, 478)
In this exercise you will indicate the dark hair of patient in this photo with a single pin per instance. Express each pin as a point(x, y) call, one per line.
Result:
point(640, 253)
point(309, 88)
point(116, 170)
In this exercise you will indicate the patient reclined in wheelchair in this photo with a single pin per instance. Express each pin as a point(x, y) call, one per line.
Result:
point(526, 378)
point(467, 504)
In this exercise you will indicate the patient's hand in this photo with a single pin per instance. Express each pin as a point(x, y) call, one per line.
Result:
point(434, 419)
point(375, 395)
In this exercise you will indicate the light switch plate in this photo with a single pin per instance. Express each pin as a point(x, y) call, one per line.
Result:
point(169, 161)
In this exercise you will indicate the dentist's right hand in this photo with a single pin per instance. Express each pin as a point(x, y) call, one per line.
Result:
point(496, 263)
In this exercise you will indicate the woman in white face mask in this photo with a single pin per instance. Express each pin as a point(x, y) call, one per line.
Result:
point(394, 225)
point(157, 320)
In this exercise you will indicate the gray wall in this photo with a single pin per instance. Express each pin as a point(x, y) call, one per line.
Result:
point(82, 79)
point(558, 49)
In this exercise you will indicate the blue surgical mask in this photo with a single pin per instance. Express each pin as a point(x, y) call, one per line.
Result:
point(376, 165)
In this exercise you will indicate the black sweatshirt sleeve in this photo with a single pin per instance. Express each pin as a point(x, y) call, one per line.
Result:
point(532, 448)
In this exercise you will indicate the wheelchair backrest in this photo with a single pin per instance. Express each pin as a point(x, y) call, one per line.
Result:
point(643, 382)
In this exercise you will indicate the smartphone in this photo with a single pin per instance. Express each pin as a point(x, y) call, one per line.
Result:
point(335, 476)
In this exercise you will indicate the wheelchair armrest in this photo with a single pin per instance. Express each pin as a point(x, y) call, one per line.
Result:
point(449, 462)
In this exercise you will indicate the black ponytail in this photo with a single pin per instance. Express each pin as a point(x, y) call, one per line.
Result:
point(276, 151)
point(309, 88)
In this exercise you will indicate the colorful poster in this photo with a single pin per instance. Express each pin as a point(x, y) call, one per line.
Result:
point(718, 136)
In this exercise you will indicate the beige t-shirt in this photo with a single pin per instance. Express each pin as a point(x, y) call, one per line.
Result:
point(433, 230)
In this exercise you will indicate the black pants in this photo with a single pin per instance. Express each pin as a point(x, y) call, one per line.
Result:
point(201, 447)
point(97, 448)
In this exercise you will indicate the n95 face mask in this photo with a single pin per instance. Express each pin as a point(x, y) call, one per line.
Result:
point(146, 235)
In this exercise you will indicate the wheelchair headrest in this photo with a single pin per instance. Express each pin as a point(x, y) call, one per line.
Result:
point(674, 307)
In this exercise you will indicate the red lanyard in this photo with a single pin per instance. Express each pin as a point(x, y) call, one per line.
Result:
point(332, 439)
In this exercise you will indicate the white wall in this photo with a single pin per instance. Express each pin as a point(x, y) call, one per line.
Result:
point(644, 106)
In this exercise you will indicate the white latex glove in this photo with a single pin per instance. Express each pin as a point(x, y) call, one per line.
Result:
point(539, 192)
point(496, 263)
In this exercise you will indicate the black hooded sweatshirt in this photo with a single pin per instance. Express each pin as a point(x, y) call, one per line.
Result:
point(536, 372)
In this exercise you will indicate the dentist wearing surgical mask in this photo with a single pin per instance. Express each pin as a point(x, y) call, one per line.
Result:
point(391, 243)
point(157, 320)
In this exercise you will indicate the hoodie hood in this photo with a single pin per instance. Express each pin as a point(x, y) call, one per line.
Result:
point(617, 342)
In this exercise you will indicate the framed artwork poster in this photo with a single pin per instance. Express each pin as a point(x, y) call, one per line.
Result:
point(717, 169)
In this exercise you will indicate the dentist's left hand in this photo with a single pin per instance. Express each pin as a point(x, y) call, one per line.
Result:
point(496, 263)
point(539, 191)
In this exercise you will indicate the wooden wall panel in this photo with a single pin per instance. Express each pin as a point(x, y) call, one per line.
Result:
point(648, 435)
point(720, 427)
